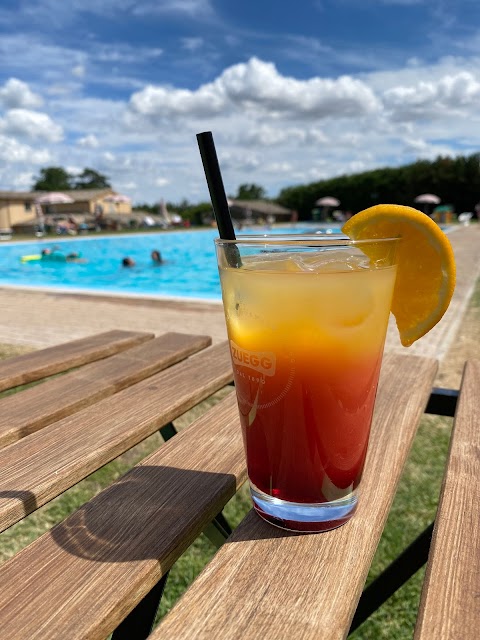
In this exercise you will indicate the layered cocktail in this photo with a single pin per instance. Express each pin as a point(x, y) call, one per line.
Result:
point(306, 320)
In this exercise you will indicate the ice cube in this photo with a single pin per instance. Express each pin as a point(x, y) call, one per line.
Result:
point(271, 262)
point(330, 261)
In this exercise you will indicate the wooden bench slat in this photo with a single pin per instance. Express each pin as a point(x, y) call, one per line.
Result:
point(450, 602)
point(46, 362)
point(38, 468)
point(82, 578)
point(309, 584)
point(32, 409)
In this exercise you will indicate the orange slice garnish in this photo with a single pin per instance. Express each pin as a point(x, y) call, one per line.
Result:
point(426, 265)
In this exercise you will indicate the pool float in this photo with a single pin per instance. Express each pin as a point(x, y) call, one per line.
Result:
point(55, 256)
point(32, 258)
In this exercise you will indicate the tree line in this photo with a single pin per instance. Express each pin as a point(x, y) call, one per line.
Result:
point(456, 181)
point(58, 179)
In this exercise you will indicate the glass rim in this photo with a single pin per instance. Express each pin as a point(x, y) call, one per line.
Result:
point(302, 239)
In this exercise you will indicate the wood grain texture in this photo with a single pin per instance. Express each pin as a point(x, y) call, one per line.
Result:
point(37, 468)
point(32, 409)
point(79, 580)
point(46, 362)
point(267, 583)
point(450, 603)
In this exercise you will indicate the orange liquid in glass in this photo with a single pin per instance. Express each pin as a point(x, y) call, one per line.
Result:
point(306, 349)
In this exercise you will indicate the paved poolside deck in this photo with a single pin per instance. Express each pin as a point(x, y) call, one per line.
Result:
point(40, 318)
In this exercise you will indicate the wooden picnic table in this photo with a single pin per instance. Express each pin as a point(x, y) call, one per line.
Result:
point(103, 569)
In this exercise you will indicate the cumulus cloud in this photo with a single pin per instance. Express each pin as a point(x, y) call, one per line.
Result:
point(15, 94)
point(90, 141)
point(31, 124)
point(158, 102)
point(450, 93)
point(12, 151)
point(257, 85)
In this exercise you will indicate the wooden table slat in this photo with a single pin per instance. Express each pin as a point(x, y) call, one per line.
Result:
point(46, 362)
point(23, 413)
point(81, 579)
point(450, 603)
point(308, 586)
point(38, 468)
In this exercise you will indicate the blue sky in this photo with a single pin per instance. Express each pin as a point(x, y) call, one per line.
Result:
point(293, 91)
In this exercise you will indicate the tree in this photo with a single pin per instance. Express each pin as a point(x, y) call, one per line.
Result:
point(53, 179)
point(91, 179)
point(57, 179)
point(250, 192)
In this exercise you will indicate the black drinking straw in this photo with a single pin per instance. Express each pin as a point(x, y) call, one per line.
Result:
point(217, 196)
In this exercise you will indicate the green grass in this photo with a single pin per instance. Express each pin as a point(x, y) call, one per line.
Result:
point(413, 509)
point(475, 299)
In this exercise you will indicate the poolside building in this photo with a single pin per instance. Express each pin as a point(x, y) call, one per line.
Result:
point(257, 210)
point(18, 210)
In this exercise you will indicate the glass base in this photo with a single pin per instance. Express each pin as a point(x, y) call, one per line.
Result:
point(306, 518)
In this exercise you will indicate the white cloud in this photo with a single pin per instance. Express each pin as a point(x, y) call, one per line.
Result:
point(127, 186)
point(192, 44)
point(125, 54)
point(161, 182)
point(109, 157)
point(160, 102)
point(12, 151)
point(266, 135)
point(30, 124)
point(257, 85)
point(449, 94)
point(23, 180)
point(90, 141)
point(279, 168)
point(78, 71)
point(427, 150)
point(15, 94)
point(192, 8)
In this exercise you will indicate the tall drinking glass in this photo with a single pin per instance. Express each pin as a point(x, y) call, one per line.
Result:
point(306, 319)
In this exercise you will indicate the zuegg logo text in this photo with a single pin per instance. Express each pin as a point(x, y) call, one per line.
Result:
point(261, 361)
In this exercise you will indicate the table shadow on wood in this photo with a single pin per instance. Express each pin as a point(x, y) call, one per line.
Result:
point(140, 516)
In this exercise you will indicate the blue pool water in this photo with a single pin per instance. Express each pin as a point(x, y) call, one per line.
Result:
point(190, 269)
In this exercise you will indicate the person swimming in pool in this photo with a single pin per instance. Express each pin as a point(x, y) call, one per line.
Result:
point(55, 255)
point(74, 257)
point(128, 262)
point(156, 257)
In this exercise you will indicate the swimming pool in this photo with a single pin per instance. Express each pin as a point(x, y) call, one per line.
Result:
point(189, 271)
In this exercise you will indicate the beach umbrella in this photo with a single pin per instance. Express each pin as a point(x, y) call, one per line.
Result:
point(40, 219)
point(117, 198)
point(427, 198)
point(163, 212)
point(50, 198)
point(328, 201)
point(54, 197)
